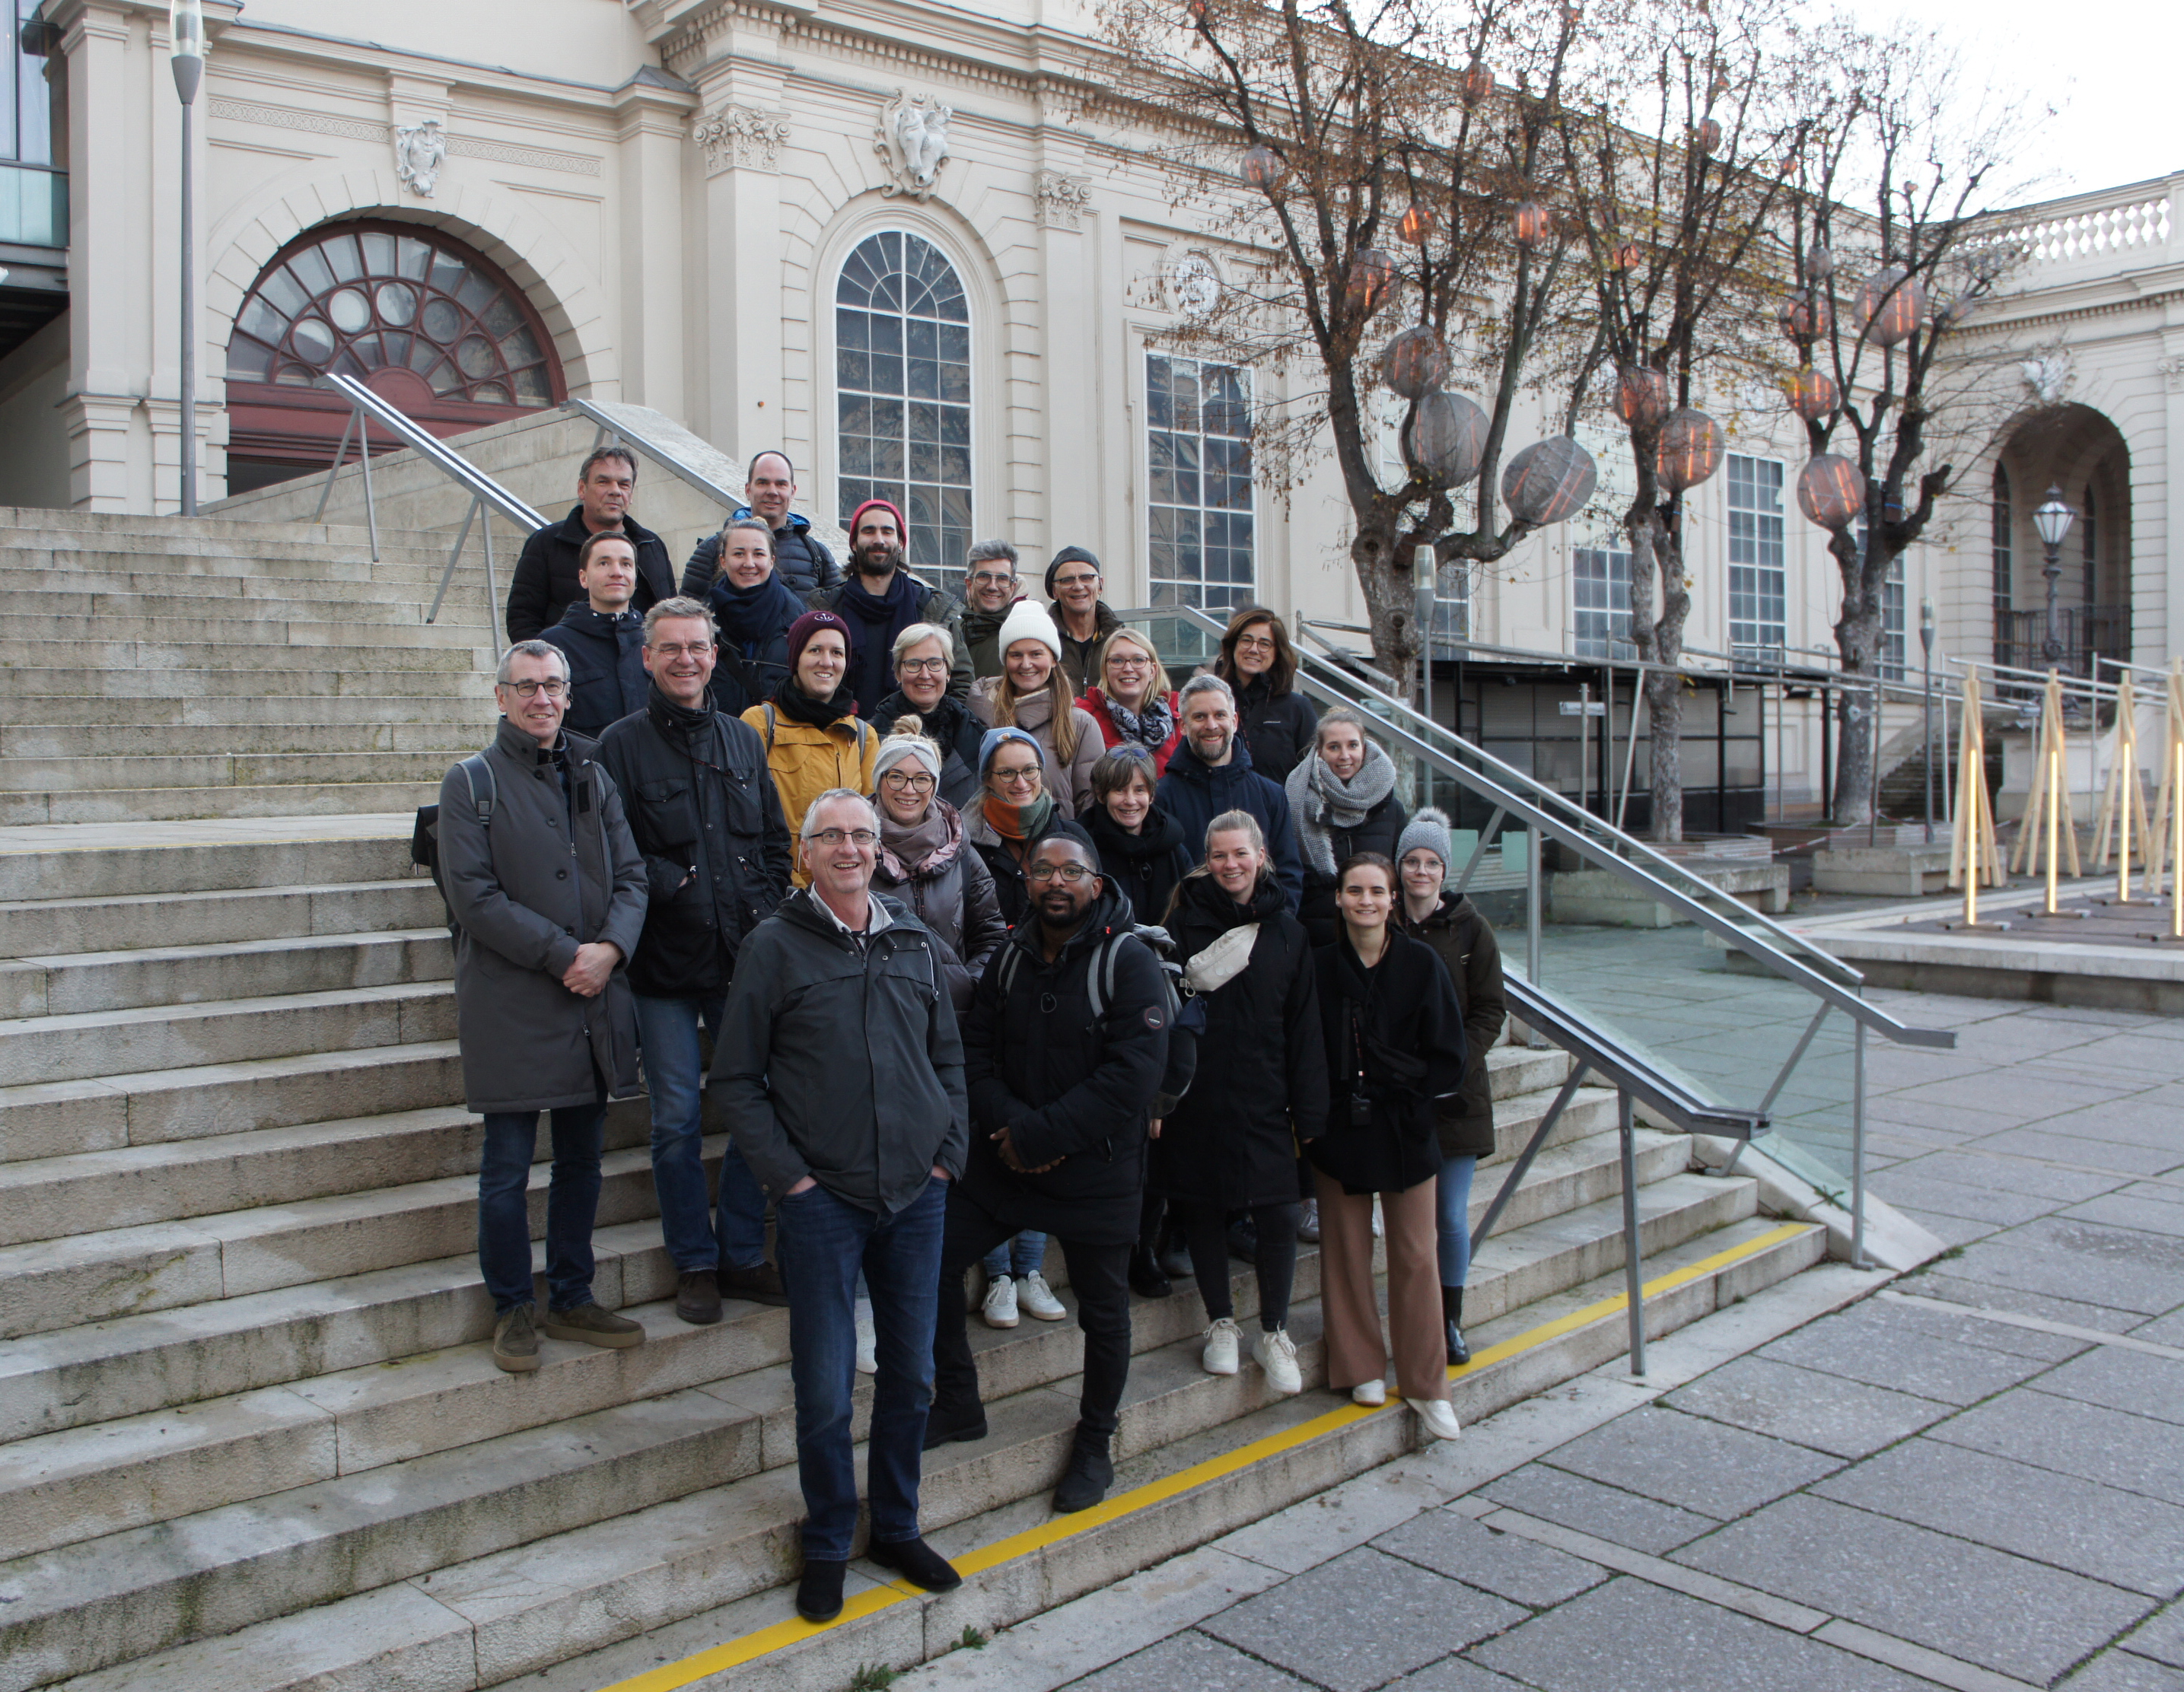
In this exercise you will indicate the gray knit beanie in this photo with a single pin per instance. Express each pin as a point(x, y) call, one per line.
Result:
point(1429, 828)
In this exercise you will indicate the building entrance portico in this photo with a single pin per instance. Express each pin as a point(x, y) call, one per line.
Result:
point(2078, 451)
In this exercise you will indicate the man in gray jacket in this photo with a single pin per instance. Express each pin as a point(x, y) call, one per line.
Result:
point(547, 892)
point(839, 1075)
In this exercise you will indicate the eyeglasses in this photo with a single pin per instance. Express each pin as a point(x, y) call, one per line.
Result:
point(916, 784)
point(922, 666)
point(986, 578)
point(1018, 778)
point(1074, 581)
point(1070, 874)
point(553, 687)
point(1255, 644)
point(1126, 658)
point(832, 837)
point(696, 648)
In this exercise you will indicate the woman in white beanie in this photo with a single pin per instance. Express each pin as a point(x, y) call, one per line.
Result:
point(1032, 694)
point(927, 863)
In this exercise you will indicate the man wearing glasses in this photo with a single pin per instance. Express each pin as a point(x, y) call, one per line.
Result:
point(1073, 583)
point(1064, 1046)
point(547, 895)
point(990, 588)
point(839, 1074)
point(708, 818)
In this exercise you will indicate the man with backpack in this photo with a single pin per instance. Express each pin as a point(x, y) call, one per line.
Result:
point(1065, 1051)
point(546, 894)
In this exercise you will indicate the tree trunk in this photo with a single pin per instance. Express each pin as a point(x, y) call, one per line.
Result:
point(1656, 565)
point(1857, 641)
point(1390, 604)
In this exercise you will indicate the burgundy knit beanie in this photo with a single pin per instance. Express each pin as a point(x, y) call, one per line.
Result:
point(801, 631)
point(901, 528)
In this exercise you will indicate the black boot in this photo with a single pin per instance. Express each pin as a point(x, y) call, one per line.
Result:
point(944, 1424)
point(1089, 1474)
point(1244, 1237)
point(1172, 1255)
point(1146, 1279)
point(819, 1589)
point(1452, 1316)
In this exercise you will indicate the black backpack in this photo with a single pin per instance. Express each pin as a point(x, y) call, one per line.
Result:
point(1186, 1018)
point(424, 837)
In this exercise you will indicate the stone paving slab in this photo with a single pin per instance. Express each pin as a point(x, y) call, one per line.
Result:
point(1691, 1462)
point(1454, 1674)
point(2131, 1453)
point(2161, 1639)
point(1192, 1660)
point(1912, 1350)
point(2119, 1671)
point(1948, 1198)
point(1973, 1168)
point(1455, 1544)
point(1843, 1418)
point(1952, 1282)
point(2155, 1211)
point(2129, 1381)
point(1557, 1495)
point(2057, 1147)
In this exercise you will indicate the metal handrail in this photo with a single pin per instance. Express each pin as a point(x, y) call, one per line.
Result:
point(1628, 1070)
point(613, 428)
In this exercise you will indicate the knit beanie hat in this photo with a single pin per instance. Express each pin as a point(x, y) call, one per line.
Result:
point(996, 738)
point(1427, 828)
point(1028, 621)
point(1067, 555)
point(904, 746)
point(901, 528)
point(801, 631)
point(1064, 828)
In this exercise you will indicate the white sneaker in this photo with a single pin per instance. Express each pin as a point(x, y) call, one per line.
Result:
point(999, 1309)
point(1377, 1228)
point(1371, 1394)
point(868, 1341)
point(1438, 1415)
point(1035, 1297)
point(1275, 1353)
point(1308, 1222)
point(1222, 1343)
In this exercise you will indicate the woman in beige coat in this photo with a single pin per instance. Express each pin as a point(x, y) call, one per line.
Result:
point(1032, 694)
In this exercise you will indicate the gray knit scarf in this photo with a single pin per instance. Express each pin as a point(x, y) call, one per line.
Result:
point(1322, 801)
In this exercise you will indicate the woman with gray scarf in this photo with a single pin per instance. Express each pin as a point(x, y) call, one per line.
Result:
point(1343, 798)
point(925, 862)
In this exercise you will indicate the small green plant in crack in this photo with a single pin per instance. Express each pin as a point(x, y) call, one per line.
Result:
point(972, 1639)
point(874, 1677)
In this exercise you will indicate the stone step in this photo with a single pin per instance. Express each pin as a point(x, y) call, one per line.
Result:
point(25, 681)
point(38, 927)
point(220, 660)
point(302, 796)
point(48, 742)
point(471, 713)
point(259, 630)
point(409, 567)
point(216, 770)
point(89, 862)
point(205, 594)
point(64, 984)
point(87, 1044)
point(35, 522)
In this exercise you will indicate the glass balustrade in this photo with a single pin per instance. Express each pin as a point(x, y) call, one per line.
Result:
point(33, 206)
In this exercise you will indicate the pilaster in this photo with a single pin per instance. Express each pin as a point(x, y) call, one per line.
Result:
point(653, 122)
point(1070, 401)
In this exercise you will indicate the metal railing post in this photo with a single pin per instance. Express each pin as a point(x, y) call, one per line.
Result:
point(1523, 1166)
point(340, 452)
point(1634, 1285)
point(1858, 1149)
point(1533, 915)
point(447, 575)
point(364, 457)
point(491, 592)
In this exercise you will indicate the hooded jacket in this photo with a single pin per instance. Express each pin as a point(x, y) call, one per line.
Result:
point(1071, 785)
point(1148, 866)
point(840, 1059)
point(556, 868)
point(1395, 1038)
point(1194, 792)
point(801, 557)
point(1074, 1090)
point(1279, 725)
point(806, 760)
point(951, 892)
point(607, 677)
point(1464, 941)
point(545, 583)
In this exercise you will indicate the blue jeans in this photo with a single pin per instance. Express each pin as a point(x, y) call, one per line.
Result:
point(1018, 1257)
point(572, 1202)
point(675, 1074)
point(1455, 1201)
point(820, 1241)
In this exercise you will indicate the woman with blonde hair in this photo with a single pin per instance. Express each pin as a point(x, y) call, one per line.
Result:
point(1032, 694)
point(1132, 701)
point(1343, 798)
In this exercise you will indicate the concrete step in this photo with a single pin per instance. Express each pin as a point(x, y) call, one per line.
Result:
point(34, 927)
point(309, 680)
point(471, 713)
point(51, 741)
point(87, 1044)
point(26, 525)
point(90, 862)
point(258, 628)
point(206, 592)
point(66, 983)
point(219, 658)
point(302, 796)
point(217, 769)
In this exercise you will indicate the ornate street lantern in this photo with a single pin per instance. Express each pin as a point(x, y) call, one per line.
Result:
point(1889, 305)
point(1532, 223)
point(1263, 169)
point(1819, 264)
point(1707, 136)
point(1448, 438)
point(1830, 492)
point(1549, 481)
point(1417, 225)
point(1625, 255)
point(1478, 83)
point(1690, 450)
point(1642, 397)
point(1372, 272)
point(1412, 363)
point(1812, 394)
point(1805, 315)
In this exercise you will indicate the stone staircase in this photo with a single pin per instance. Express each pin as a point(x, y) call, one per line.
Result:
point(250, 1438)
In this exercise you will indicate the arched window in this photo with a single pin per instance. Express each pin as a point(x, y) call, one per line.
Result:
point(902, 382)
point(430, 326)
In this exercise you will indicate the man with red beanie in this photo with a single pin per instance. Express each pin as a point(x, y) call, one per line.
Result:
point(881, 599)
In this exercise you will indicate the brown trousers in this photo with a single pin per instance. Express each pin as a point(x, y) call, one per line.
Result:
point(1350, 1309)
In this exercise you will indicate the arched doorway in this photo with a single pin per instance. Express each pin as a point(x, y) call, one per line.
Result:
point(2080, 453)
point(429, 324)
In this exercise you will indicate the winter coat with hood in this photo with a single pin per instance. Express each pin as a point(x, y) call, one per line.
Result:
point(800, 556)
point(545, 583)
point(1074, 1090)
point(1279, 726)
point(1148, 866)
point(556, 868)
point(839, 1058)
point(708, 820)
point(607, 677)
point(950, 726)
point(806, 760)
point(1193, 793)
point(1094, 704)
point(1080, 658)
point(1394, 1037)
point(1325, 838)
point(940, 875)
point(1070, 785)
point(1261, 1084)
point(1464, 941)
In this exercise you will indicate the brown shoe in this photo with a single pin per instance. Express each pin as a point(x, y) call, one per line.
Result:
point(760, 1284)
point(594, 1327)
point(698, 1297)
point(515, 1341)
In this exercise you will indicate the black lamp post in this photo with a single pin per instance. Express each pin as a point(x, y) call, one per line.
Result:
point(186, 38)
point(2052, 519)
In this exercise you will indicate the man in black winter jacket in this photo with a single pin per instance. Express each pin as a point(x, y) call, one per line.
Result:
point(1064, 1046)
point(545, 584)
point(602, 637)
point(800, 557)
point(709, 821)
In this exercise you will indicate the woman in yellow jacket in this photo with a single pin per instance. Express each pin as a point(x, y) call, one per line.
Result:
point(814, 740)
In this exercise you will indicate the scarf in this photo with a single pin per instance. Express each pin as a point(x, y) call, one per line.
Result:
point(1020, 822)
point(1157, 836)
point(798, 706)
point(679, 724)
point(872, 659)
point(1322, 801)
point(752, 618)
point(921, 850)
point(1149, 728)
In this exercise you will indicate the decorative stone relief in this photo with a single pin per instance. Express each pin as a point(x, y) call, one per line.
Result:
point(1195, 284)
point(2048, 377)
point(912, 139)
point(738, 138)
point(419, 150)
point(2172, 371)
point(1062, 199)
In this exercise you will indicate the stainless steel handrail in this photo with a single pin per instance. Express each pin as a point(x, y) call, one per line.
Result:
point(1623, 1066)
point(613, 428)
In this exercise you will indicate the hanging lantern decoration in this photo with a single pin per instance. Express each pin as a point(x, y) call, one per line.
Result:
point(1830, 492)
point(1819, 264)
point(1812, 394)
point(1448, 438)
point(1642, 397)
point(1950, 312)
point(1690, 450)
point(1372, 272)
point(1412, 363)
point(1478, 83)
point(1198, 9)
point(1890, 303)
point(1708, 135)
point(1625, 255)
point(1532, 223)
point(1417, 225)
point(1806, 315)
point(1572, 14)
point(1263, 169)
point(1548, 482)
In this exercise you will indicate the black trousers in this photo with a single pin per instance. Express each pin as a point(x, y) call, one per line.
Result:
point(1099, 1276)
point(1205, 1229)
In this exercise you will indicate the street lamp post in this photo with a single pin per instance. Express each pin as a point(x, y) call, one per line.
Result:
point(2052, 519)
point(1926, 640)
point(186, 38)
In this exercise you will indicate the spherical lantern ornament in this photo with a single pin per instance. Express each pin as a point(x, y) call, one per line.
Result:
point(1642, 397)
point(1812, 394)
point(1414, 364)
point(1949, 313)
point(1890, 304)
point(1830, 492)
point(1417, 225)
point(1263, 169)
point(1448, 438)
point(1706, 137)
point(1478, 83)
point(1625, 255)
point(1372, 272)
point(1690, 450)
point(1548, 482)
point(1531, 223)
point(1806, 315)
point(1819, 264)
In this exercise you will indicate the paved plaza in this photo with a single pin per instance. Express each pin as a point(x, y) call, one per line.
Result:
point(1971, 1477)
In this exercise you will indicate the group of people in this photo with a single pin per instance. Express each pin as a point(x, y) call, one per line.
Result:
point(998, 939)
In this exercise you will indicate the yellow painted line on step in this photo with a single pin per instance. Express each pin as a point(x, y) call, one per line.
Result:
point(764, 1641)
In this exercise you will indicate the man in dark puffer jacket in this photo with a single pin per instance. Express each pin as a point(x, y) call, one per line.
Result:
point(602, 638)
